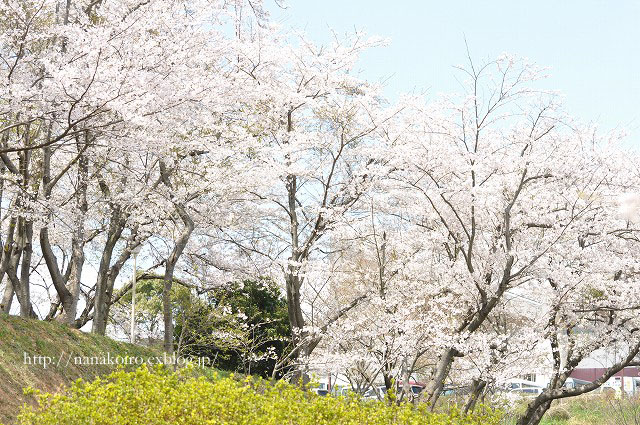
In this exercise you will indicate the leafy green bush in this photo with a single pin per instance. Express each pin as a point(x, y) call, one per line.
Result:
point(159, 397)
point(243, 325)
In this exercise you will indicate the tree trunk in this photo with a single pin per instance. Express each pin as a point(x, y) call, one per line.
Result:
point(534, 413)
point(71, 309)
point(21, 282)
point(296, 320)
point(388, 381)
point(7, 298)
point(478, 387)
point(57, 278)
point(7, 295)
point(439, 374)
point(102, 297)
point(7, 251)
point(179, 247)
point(77, 241)
point(26, 310)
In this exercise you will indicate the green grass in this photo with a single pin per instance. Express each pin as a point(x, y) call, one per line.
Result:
point(590, 409)
point(19, 336)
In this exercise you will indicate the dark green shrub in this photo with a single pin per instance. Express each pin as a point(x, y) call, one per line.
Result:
point(255, 332)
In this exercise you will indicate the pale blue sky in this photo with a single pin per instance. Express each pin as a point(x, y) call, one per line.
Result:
point(591, 46)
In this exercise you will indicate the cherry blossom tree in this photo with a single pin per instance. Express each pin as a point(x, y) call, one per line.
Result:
point(502, 199)
point(99, 95)
point(509, 196)
point(312, 125)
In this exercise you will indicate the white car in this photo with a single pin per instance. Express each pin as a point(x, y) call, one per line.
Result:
point(375, 393)
point(525, 387)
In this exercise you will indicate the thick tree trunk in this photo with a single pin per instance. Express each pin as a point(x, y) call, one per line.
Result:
point(10, 260)
point(178, 249)
point(24, 239)
point(7, 298)
point(103, 296)
point(534, 413)
point(74, 274)
point(478, 387)
point(296, 320)
point(26, 309)
point(439, 374)
point(74, 278)
point(7, 294)
point(17, 251)
point(71, 309)
point(58, 280)
point(388, 381)
point(294, 309)
point(22, 255)
point(100, 310)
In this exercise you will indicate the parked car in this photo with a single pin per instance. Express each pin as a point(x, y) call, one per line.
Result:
point(379, 392)
point(417, 388)
point(525, 387)
point(375, 393)
point(449, 391)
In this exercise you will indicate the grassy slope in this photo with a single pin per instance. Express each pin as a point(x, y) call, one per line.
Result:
point(589, 409)
point(19, 336)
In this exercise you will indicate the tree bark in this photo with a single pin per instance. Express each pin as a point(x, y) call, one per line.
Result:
point(102, 296)
point(7, 249)
point(26, 309)
point(78, 240)
point(440, 373)
point(478, 387)
point(58, 280)
point(178, 248)
point(7, 298)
